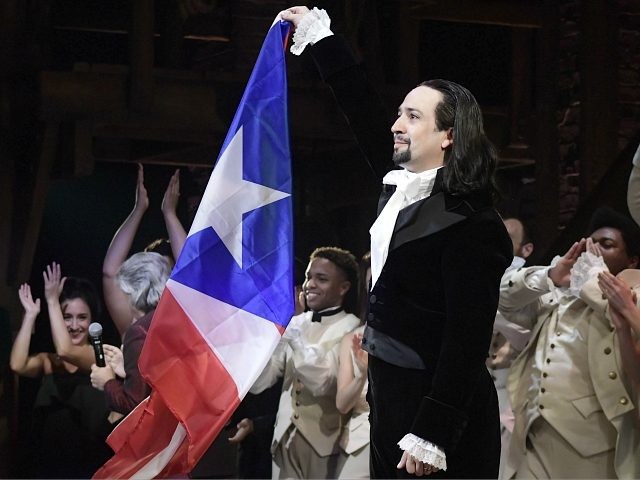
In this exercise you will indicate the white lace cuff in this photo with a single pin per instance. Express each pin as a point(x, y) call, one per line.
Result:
point(313, 27)
point(424, 451)
point(585, 268)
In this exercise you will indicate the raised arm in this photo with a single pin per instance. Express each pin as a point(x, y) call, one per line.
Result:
point(625, 316)
point(351, 380)
point(81, 356)
point(21, 362)
point(621, 298)
point(368, 117)
point(177, 234)
point(117, 302)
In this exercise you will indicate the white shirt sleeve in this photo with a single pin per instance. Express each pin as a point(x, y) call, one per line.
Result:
point(274, 368)
point(313, 27)
point(516, 334)
point(538, 279)
point(424, 451)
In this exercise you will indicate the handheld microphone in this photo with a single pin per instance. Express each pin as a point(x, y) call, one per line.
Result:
point(95, 337)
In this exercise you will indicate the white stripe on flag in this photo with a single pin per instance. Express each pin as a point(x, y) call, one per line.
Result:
point(235, 336)
point(162, 458)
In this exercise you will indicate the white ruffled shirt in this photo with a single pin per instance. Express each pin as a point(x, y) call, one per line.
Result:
point(410, 188)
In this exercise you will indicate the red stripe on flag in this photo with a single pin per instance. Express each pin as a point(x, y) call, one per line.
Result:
point(138, 439)
point(119, 436)
point(188, 383)
point(179, 365)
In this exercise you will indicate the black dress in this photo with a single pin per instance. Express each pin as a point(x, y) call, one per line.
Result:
point(69, 427)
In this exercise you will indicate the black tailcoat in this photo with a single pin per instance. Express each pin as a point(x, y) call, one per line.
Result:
point(432, 309)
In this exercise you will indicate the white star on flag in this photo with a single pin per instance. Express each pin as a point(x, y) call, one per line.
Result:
point(228, 197)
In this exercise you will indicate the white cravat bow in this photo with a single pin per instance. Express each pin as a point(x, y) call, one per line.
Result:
point(410, 187)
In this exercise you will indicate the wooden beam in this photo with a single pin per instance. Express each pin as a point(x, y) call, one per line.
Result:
point(83, 142)
point(8, 27)
point(7, 185)
point(488, 12)
point(546, 141)
point(598, 79)
point(142, 52)
point(408, 41)
point(40, 190)
point(185, 107)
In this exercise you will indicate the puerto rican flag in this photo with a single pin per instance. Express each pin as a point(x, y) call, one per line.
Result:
point(230, 295)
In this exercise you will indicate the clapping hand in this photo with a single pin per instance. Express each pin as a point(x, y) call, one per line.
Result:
point(31, 307)
point(361, 357)
point(622, 301)
point(53, 282)
point(115, 359)
point(171, 194)
point(142, 199)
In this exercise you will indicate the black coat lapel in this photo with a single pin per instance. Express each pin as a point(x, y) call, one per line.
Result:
point(423, 218)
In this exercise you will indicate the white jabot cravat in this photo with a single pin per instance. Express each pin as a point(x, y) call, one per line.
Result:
point(410, 187)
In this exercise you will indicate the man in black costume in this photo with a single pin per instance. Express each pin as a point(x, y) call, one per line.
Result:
point(438, 251)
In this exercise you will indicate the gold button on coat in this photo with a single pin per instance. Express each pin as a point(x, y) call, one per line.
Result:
point(613, 375)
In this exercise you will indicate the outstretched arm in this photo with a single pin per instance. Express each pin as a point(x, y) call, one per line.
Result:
point(81, 356)
point(366, 114)
point(177, 234)
point(117, 302)
point(20, 361)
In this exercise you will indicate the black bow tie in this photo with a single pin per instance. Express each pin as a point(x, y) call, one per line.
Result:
point(317, 316)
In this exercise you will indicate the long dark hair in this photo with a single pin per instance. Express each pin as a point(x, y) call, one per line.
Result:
point(472, 159)
point(83, 289)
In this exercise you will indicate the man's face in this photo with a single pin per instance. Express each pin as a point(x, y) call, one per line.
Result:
point(614, 250)
point(417, 144)
point(325, 285)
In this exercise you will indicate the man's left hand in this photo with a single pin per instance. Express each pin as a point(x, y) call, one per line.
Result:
point(414, 466)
